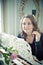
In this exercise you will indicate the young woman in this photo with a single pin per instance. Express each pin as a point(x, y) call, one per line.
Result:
point(31, 34)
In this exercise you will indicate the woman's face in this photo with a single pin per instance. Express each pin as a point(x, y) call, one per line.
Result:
point(27, 26)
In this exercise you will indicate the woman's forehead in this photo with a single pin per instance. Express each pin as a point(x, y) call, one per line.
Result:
point(26, 20)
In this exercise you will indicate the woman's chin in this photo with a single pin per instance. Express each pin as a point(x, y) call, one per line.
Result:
point(28, 33)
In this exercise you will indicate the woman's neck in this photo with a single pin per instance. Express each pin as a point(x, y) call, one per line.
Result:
point(30, 38)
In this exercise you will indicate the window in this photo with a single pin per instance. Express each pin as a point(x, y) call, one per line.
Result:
point(34, 12)
point(0, 18)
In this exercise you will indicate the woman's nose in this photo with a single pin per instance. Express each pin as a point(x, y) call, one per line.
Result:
point(26, 26)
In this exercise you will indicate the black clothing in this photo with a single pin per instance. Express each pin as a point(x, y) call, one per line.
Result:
point(1, 62)
point(37, 47)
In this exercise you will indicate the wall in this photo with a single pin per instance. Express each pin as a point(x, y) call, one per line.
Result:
point(0, 16)
point(11, 14)
point(41, 15)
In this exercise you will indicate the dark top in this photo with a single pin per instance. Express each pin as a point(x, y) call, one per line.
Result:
point(37, 47)
point(1, 62)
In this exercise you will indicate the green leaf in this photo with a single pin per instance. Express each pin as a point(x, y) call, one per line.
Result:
point(16, 51)
point(10, 48)
point(6, 58)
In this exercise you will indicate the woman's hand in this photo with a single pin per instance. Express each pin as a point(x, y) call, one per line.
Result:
point(37, 35)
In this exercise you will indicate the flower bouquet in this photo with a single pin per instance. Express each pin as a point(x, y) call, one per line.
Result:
point(8, 53)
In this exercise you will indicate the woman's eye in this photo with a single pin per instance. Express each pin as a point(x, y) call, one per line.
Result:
point(24, 23)
point(29, 23)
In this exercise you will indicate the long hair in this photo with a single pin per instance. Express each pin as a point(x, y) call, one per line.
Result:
point(34, 23)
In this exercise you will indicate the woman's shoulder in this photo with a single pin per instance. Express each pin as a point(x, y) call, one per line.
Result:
point(19, 35)
point(41, 35)
point(41, 39)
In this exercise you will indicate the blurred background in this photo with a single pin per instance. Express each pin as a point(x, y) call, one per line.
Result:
point(11, 12)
